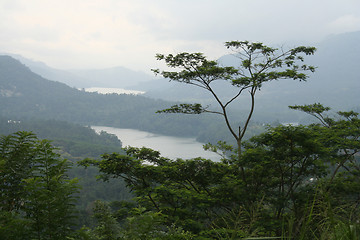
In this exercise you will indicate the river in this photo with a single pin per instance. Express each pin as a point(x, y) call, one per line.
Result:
point(170, 147)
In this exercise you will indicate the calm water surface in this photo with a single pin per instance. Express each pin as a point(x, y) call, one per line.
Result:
point(113, 90)
point(171, 147)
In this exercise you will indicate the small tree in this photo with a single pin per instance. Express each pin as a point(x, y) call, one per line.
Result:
point(341, 135)
point(337, 203)
point(16, 160)
point(50, 201)
point(107, 227)
point(258, 64)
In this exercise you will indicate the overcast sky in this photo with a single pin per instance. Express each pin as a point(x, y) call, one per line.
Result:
point(106, 33)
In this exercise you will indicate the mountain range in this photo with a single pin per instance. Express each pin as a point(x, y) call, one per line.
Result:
point(335, 83)
point(115, 77)
point(27, 95)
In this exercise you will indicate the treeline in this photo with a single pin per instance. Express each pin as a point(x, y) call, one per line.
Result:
point(74, 141)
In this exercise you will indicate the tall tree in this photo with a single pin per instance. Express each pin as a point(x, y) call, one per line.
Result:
point(259, 64)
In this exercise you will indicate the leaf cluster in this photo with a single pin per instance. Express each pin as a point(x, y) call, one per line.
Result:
point(195, 69)
point(184, 108)
point(260, 63)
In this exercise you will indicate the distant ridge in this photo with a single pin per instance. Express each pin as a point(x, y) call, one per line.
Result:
point(116, 77)
point(335, 83)
point(17, 78)
point(27, 95)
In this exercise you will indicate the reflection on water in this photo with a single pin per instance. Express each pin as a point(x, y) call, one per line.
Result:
point(171, 147)
point(113, 90)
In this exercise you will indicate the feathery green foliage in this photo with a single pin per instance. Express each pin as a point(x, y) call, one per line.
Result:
point(37, 196)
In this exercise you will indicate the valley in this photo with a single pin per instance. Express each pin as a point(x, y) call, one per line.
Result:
point(112, 131)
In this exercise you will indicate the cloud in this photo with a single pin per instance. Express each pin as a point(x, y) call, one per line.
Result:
point(346, 23)
point(105, 33)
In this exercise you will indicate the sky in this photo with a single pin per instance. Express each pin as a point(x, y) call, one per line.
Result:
point(82, 34)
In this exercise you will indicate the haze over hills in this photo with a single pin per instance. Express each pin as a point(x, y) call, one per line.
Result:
point(335, 83)
point(115, 77)
point(26, 95)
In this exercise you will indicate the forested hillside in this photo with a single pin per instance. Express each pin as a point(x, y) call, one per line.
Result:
point(74, 141)
point(24, 94)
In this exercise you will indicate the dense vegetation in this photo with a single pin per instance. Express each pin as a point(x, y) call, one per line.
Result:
point(298, 182)
point(37, 197)
point(289, 182)
point(75, 142)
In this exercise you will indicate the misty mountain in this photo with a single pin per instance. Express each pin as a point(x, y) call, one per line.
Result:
point(47, 72)
point(335, 83)
point(26, 95)
point(116, 77)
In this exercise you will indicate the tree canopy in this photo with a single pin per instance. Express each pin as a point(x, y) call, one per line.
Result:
point(292, 175)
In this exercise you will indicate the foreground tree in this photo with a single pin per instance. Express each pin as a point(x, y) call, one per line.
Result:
point(340, 190)
point(37, 197)
point(292, 184)
point(340, 133)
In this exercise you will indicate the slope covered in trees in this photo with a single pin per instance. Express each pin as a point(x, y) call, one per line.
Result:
point(74, 141)
point(24, 94)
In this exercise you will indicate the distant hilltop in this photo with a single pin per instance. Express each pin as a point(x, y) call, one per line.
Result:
point(115, 77)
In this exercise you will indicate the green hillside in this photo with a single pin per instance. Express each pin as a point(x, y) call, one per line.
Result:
point(24, 94)
point(73, 140)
